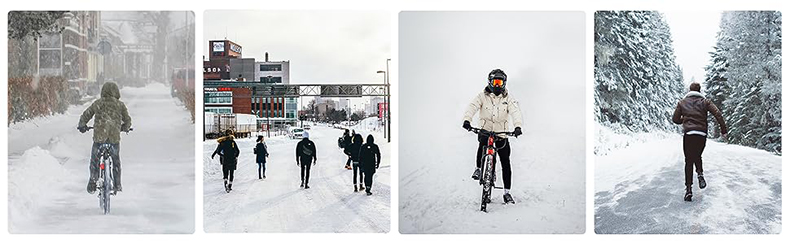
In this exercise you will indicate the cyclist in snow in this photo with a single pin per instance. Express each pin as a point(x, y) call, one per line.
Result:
point(369, 158)
point(692, 113)
point(495, 106)
point(305, 154)
point(353, 152)
point(228, 152)
point(261, 154)
point(111, 118)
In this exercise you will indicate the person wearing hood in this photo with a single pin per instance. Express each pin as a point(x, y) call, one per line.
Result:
point(228, 152)
point(370, 158)
point(111, 118)
point(692, 112)
point(346, 142)
point(261, 154)
point(496, 106)
point(305, 154)
point(353, 152)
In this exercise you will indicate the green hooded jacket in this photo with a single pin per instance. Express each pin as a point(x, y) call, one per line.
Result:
point(111, 115)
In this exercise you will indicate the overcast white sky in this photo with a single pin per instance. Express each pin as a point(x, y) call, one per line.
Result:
point(323, 46)
point(694, 35)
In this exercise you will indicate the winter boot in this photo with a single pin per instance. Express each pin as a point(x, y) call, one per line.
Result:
point(476, 174)
point(687, 198)
point(302, 185)
point(91, 187)
point(702, 183)
point(368, 192)
point(230, 185)
point(508, 198)
point(355, 188)
point(306, 186)
point(361, 187)
point(226, 186)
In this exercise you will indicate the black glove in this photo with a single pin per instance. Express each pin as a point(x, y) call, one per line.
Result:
point(82, 129)
point(517, 132)
point(467, 125)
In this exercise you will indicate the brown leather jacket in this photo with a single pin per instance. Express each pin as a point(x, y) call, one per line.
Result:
point(692, 112)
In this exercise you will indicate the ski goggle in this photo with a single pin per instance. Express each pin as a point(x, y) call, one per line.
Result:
point(497, 82)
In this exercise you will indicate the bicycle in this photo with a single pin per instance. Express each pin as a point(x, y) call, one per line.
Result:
point(488, 177)
point(105, 184)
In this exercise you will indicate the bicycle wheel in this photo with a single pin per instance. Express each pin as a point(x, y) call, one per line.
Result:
point(487, 178)
point(107, 185)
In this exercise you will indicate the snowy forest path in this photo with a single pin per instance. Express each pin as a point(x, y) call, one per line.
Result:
point(639, 189)
point(278, 204)
point(158, 170)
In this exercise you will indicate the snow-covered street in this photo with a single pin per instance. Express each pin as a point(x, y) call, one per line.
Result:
point(278, 204)
point(48, 171)
point(639, 189)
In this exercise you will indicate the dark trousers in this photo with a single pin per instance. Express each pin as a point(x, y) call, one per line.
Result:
point(693, 145)
point(261, 169)
point(357, 169)
point(227, 174)
point(305, 171)
point(504, 157)
point(348, 162)
point(115, 151)
point(369, 179)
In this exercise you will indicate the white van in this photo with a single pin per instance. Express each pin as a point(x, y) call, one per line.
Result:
point(295, 132)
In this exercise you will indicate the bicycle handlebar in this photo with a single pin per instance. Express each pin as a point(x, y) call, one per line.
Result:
point(91, 128)
point(485, 132)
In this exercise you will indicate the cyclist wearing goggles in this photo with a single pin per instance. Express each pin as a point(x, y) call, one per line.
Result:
point(495, 107)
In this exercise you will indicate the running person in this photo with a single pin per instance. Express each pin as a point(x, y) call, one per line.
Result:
point(228, 152)
point(692, 113)
point(111, 118)
point(495, 106)
point(305, 153)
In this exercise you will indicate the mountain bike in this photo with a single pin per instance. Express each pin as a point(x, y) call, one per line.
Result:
point(488, 176)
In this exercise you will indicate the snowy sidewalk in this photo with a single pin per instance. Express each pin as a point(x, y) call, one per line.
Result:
point(48, 171)
point(640, 189)
point(278, 204)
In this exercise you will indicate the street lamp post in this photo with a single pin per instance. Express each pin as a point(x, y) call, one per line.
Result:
point(385, 101)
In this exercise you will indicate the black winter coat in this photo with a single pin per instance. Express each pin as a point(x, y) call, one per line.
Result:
point(305, 151)
point(228, 150)
point(261, 153)
point(369, 156)
point(353, 149)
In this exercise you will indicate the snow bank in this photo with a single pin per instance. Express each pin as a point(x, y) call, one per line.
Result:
point(28, 192)
point(608, 139)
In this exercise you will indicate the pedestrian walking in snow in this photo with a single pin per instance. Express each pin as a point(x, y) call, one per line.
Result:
point(305, 154)
point(353, 152)
point(260, 157)
point(228, 152)
point(495, 106)
point(346, 141)
point(692, 113)
point(111, 118)
point(370, 158)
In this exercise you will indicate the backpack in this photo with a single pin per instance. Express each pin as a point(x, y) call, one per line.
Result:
point(340, 142)
point(306, 150)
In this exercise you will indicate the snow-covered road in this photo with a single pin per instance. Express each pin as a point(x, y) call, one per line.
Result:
point(639, 189)
point(278, 204)
point(48, 171)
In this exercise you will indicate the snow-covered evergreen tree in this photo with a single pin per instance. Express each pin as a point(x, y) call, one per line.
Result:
point(637, 81)
point(745, 79)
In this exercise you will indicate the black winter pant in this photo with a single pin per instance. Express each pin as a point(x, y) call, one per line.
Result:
point(261, 169)
point(357, 169)
point(115, 153)
point(693, 145)
point(227, 174)
point(348, 162)
point(504, 157)
point(369, 179)
point(305, 171)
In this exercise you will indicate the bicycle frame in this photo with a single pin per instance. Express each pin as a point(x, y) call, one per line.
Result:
point(488, 178)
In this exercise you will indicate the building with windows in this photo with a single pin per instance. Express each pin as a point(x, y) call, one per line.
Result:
point(275, 72)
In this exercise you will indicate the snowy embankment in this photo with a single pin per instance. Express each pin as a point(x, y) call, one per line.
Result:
point(48, 171)
point(278, 204)
point(639, 189)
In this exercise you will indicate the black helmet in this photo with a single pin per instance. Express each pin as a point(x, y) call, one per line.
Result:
point(497, 74)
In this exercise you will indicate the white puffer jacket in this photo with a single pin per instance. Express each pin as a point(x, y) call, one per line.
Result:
point(494, 111)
